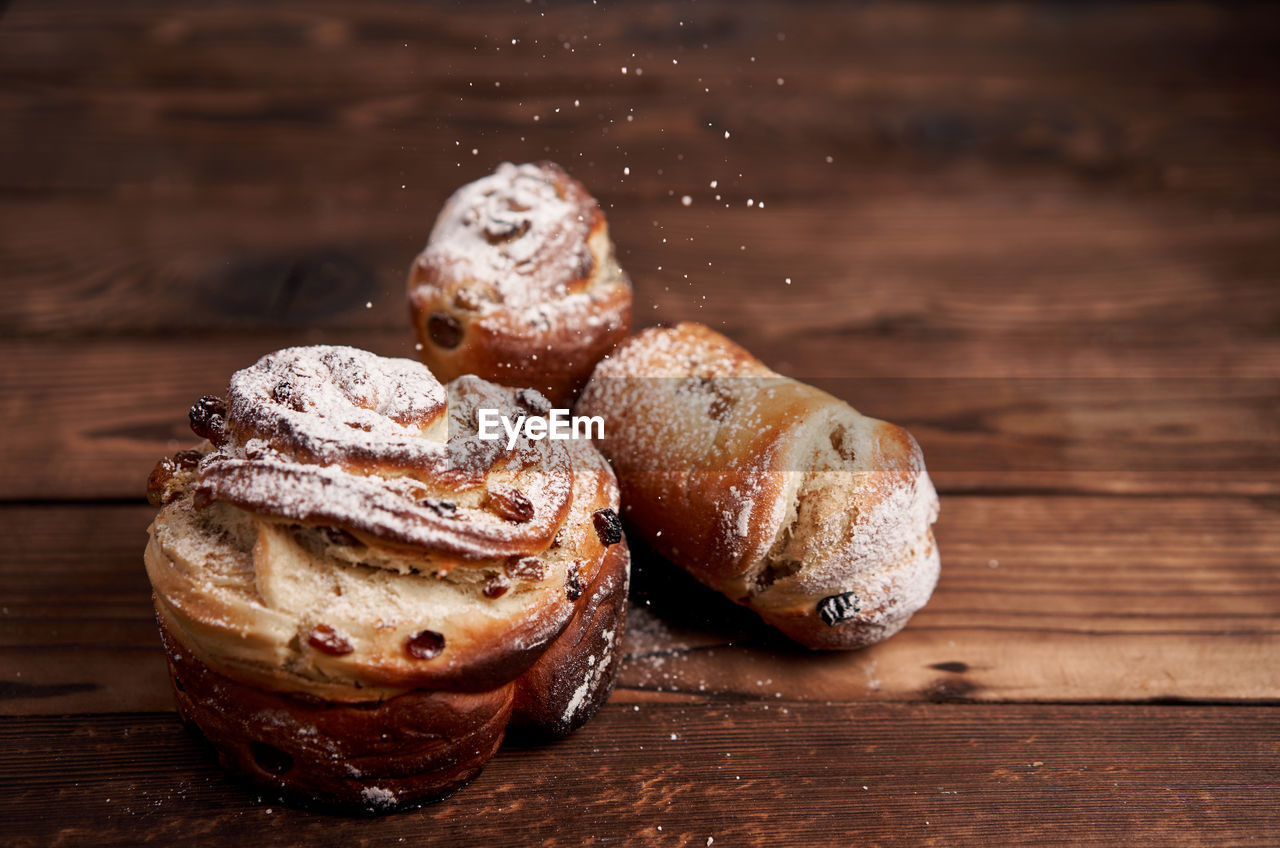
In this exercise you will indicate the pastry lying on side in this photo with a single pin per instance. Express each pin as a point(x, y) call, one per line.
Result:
point(518, 283)
point(357, 595)
point(778, 495)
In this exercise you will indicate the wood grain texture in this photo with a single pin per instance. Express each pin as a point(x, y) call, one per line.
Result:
point(107, 411)
point(1041, 599)
point(718, 773)
point(1100, 212)
point(1042, 236)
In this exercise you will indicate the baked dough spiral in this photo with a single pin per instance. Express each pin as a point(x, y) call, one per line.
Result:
point(345, 558)
point(519, 283)
point(778, 495)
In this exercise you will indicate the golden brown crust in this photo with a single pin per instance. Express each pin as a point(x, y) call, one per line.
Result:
point(519, 283)
point(375, 757)
point(338, 610)
point(370, 757)
point(770, 491)
point(574, 677)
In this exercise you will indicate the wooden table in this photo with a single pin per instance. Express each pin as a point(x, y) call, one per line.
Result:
point(1045, 238)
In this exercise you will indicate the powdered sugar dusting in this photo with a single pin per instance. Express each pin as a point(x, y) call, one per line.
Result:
point(343, 438)
point(522, 230)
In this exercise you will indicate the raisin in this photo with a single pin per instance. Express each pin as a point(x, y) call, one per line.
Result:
point(533, 401)
point(327, 640)
point(208, 418)
point(510, 503)
point(158, 482)
point(572, 583)
point(338, 536)
point(425, 644)
point(444, 330)
point(187, 459)
point(837, 608)
point(608, 526)
point(270, 758)
point(440, 506)
point(503, 229)
point(497, 586)
point(526, 568)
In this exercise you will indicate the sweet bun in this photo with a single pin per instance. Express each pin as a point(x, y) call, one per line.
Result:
point(778, 495)
point(519, 284)
point(357, 595)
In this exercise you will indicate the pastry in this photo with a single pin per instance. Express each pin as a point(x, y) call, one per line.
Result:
point(778, 495)
point(357, 595)
point(518, 283)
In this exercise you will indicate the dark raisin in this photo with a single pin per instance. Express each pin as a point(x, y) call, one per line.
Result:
point(202, 498)
point(586, 267)
point(208, 418)
point(158, 482)
point(503, 229)
point(444, 330)
point(338, 536)
point(533, 401)
point(440, 506)
point(327, 640)
point(177, 684)
point(510, 503)
point(572, 583)
point(837, 608)
point(425, 644)
point(187, 459)
point(526, 568)
point(719, 408)
point(282, 392)
point(270, 758)
point(608, 526)
point(497, 586)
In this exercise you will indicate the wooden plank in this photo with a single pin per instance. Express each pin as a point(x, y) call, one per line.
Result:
point(906, 85)
point(708, 774)
point(90, 420)
point(988, 175)
point(1108, 287)
point(1041, 599)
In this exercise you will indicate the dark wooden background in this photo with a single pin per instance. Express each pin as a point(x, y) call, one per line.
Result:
point(1045, 237)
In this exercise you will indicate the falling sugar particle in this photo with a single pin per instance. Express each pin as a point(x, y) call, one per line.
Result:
point(830, 160)
point(475, 151)
point(726, 133)
point(686, 200)
point(626, 171)
point(788, 281)
point(781, 80)
point(368, 304)
point(715, 183)
point(750, 202)
point(624, 69)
